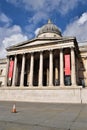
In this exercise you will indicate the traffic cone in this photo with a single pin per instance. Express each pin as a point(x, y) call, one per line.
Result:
point(14, 109)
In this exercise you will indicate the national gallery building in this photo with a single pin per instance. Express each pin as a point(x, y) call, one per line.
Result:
point(47, 62)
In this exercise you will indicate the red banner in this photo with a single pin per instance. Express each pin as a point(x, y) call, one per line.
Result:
point(11, 66)
point(67, 64)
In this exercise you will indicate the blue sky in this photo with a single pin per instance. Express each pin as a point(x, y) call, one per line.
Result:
point(20, 20)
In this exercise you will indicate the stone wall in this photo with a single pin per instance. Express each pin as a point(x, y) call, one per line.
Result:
point(62, 95)
point(3, 63)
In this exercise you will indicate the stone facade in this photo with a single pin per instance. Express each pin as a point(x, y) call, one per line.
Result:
point(82, 65)
point(81, 71)
point(3, 63)
point(37, 66)
point(32, 64)
point(40, 61)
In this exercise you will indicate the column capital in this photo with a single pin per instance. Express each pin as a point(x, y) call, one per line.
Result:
point(23, 53)
point(72, 48)
point(50, 50)
point(31, 53)
point(41, 51)
point(15, 55)
point(61, 49)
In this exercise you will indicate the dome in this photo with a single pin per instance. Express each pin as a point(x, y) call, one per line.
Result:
point(49, 28)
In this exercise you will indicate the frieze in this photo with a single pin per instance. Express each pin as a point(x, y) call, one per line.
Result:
point(41, 48)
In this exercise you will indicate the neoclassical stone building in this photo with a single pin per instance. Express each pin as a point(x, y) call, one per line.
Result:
point(47, 62)
point(40, 62)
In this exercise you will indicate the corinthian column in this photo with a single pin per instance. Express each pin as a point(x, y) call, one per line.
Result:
point(41, 70)
point(61, 68)
point(51, 68)
point(14, 72)
point(73, 72)
point(22, 71)
point(31, 69)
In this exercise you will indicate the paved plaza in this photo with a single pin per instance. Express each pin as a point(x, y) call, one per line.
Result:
point(43, 116)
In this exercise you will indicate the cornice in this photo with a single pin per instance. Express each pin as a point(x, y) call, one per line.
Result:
point(51, 41)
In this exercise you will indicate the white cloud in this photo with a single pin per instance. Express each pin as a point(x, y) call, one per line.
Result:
point(9, 35)
point(37, 31)
point(43, 10)
point(28, 4)
point(33, 4)
point(9, 41)
point(15, 2)
point(4, 18)
point(34, 21)
point(83, 18)
point(38, 17)
point(13, 39)
point(67, 5)
point(78, 28)
point(61, 6)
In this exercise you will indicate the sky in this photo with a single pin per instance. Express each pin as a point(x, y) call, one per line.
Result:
point(20, 20)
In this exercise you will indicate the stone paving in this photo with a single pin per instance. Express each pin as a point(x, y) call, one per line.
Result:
point(43, 116)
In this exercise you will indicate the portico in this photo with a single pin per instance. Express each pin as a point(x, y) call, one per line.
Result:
point(41, 62)
point(42, 68)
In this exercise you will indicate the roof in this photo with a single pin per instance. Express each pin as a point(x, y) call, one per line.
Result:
point(40, 41)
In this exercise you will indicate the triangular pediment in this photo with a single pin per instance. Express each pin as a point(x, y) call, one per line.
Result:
point(40, 42)
point(34, 42)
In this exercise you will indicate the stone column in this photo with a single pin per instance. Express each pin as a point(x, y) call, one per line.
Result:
point(7, 67)
point(86, 73)
point(56, 71)
point(47, 76)
point(73, 71)
point(51, 68)
point(22, 71)
point(14, 72)
point(28, 78)
point(61, 68)
point(28, 71)
point(77, 69)
point(31, 69)
point(41, 70)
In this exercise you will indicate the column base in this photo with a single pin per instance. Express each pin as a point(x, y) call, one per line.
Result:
point(50, 85)
point(40, 86)
point(75, 86)
point(30, 85)
point(62, 85)
point(21, 86)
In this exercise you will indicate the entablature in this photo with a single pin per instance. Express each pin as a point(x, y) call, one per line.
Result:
point(41, 48)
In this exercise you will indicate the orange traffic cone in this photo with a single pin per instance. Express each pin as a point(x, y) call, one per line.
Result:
point(14, 109)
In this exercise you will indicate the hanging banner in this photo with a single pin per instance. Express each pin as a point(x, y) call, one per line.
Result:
point(10, 72)
point(67, 64)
